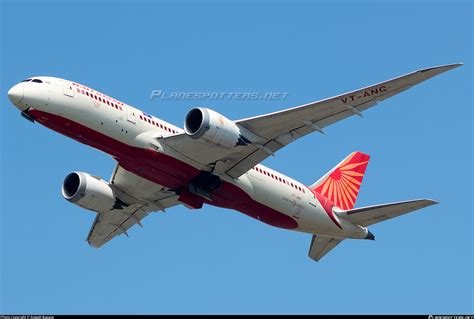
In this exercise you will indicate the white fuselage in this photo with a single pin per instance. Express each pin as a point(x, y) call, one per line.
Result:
point(116, 128)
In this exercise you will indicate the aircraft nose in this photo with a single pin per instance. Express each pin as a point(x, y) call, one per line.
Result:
point(15, 94)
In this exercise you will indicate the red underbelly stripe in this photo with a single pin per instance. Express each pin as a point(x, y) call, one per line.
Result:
point(163, 169)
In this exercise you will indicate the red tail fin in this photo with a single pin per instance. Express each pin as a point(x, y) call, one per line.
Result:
point(341, 184)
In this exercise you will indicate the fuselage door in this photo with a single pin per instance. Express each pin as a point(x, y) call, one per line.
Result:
point(131, 116)
point(312, 200)
point(67, 88)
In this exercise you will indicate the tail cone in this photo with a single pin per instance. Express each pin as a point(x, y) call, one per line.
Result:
point(370, 235)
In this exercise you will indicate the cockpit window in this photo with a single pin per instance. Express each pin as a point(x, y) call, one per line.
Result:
point(32, 80)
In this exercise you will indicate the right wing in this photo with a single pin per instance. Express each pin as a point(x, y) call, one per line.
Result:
point(141, 197)
point(366, 216)
point(321, 245)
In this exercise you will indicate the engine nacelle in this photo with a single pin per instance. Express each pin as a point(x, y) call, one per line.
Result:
point(90, 192)
point(212, 127)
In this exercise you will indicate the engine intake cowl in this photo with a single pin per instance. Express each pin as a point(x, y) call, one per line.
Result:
point(213, 127)
point(90, 192)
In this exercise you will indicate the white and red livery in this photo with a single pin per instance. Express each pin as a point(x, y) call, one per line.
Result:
point(213, 160)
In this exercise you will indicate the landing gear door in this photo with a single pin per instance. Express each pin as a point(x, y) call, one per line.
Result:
point(67, 88)
point(131, 116)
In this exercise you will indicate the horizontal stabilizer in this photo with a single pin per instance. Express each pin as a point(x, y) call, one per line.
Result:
point(366, 216)
point(321, 245)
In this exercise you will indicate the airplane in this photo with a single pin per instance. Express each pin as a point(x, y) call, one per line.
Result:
point(213, 160)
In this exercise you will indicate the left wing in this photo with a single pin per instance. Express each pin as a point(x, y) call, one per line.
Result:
point(270, 132)
point(141, 196)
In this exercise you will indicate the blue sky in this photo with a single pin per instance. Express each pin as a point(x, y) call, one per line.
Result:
point(216, 260)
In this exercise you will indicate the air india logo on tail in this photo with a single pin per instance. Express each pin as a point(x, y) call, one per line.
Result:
point(342, 185)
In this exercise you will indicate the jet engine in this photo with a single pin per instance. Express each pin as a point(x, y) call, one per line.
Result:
point(212, 127)
point(90, 192)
